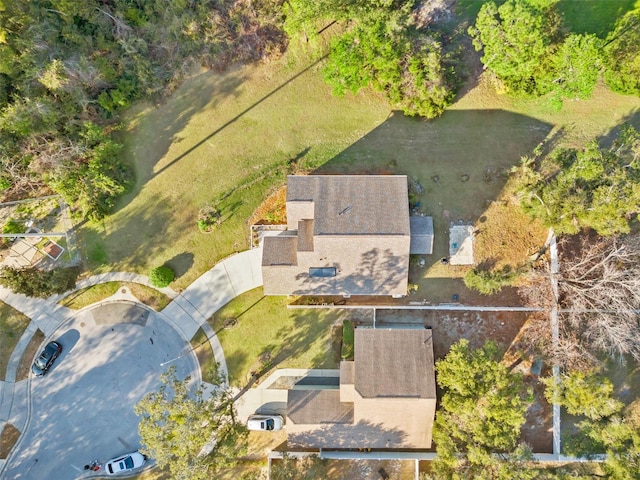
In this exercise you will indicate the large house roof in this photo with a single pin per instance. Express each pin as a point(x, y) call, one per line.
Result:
point(386, 399)
point(354, 204)
point(394, 363)
point(347, 235)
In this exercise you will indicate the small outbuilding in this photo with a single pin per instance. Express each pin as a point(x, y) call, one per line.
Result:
point(421, 235)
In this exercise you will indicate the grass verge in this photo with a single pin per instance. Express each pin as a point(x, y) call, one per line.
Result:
point(266, 334)
point(348, 335)
point(8, 438)
point(24, 367)
point(12, 326)
point(204, 353)
point(95, 293)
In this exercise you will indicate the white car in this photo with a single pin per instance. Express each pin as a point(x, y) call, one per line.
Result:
point(125, 463)
point(265, 423)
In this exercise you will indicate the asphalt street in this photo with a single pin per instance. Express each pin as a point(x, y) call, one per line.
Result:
point(83, 408)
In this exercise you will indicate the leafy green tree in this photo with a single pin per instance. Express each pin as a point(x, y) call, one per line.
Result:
point(191, 435)
point(622, 55)
point(607, 429)
point(69, 66)
point(517, 42)
point(576, 67)
point(483, 408)
point(33, 282)
point(595, 187)
point(583, 394)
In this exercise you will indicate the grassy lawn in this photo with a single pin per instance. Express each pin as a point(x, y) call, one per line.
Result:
point(267, 334)
point(218, 132)
point(597, 17)
point(24, 367)
point(348, 336)
point(95, 293)
point(12, 325)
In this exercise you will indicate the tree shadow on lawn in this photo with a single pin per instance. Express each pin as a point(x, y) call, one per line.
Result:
point(153, 131)
point(135, 237)
point(238, 116)
point(296, 345)
point(461, 160)
point(181, 263)
point(598, 18)
point(633, 119)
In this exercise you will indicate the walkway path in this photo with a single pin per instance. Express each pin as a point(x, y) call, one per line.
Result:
point(187, 312)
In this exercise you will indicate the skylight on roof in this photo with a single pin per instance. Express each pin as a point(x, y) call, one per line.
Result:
point(322, 272)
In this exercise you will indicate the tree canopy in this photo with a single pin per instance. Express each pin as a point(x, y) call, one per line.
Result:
point(531, 52)
point(582, 393)
point(189, 434)
point(516, 39)
point(595, 187)
point(609, 427)
point(622, 55)
point(381, 47)
point(483, 407)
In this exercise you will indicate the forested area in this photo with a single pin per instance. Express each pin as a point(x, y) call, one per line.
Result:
point(68, 68)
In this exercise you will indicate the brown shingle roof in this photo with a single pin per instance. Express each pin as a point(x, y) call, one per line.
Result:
point(305, 236)
point(394, 363)
point(280, 250)
point(354, 204)
point(317, 406)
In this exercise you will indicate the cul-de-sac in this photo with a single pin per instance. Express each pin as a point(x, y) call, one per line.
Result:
point(320, 239)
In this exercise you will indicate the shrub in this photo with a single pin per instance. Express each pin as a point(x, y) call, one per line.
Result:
point(487, 282)
point(161, 277)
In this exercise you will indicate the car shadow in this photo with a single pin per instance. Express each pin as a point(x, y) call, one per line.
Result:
point(68, 341)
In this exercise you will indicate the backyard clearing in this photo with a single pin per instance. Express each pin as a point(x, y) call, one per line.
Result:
point(477, 327)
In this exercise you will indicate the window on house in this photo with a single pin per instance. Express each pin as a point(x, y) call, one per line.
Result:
point(322, 272)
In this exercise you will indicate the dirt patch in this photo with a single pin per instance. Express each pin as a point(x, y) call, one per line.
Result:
point(505, 236)
point(450, 326)
point(8, 439)
point(369, 469)
point(27, 357)
point(537, 432)
point(273, 210)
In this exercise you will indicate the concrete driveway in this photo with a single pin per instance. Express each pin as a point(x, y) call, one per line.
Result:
point(83, 408)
